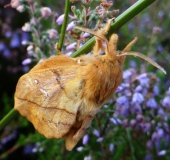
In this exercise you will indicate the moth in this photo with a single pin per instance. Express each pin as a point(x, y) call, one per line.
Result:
point(61, 95)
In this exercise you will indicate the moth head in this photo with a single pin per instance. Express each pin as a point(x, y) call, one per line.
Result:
point(121, 55)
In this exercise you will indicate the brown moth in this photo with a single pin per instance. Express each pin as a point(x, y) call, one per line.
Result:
point(61, 95)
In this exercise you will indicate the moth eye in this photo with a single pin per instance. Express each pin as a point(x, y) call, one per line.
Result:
point(36, 81)
point(102, 53)
point(79, 61)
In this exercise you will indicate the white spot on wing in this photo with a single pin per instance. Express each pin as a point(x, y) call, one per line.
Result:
point(43, 91)
point(36, 81)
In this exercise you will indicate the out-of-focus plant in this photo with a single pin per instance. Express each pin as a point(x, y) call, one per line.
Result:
point(134, 124)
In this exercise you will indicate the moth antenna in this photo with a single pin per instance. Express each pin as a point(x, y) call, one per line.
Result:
point(93, 33)
point(127, 48)
point(137, 54)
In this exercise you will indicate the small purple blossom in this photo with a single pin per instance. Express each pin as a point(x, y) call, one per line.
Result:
point(162, 153)
point(151, 103)
point(2, 46)
point(60, 19)
point(139, 88)
point(80, 148)
point(156, 90)
point(160, 133)
point(140, 118)
point(166, 102)
point(132, 122)
point(143, 80)
point(46, 12)
point(85, 139)
point(149, 144)
point(52, 33)
point(127, 74)
point(161, 112)
point(123, 100)
point(71, 25)
point(111, 147)
point(71, 46)
point(26, 61)
point(137, 98)
point(100, 139)
point(113, 121)
point(15, 41)
point(146, 127)
point(85, 35)
point(136, 109)
point(96, 133)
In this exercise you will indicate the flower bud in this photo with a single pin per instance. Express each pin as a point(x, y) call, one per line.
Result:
point(52, 33)
point(60, 19)
point(26, 27)
point(15, 3)
point(45, 12)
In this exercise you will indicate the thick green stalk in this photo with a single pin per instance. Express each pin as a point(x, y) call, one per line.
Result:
point(4, 122)
point(64, 25)
point(118, 22)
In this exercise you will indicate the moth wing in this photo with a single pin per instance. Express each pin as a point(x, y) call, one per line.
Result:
point(49, 96)
point(77, 130)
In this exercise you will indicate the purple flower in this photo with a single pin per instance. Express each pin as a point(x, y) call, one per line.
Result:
point(123, 100)
point(2, 46)
point(139, 88)
point(151, 103)
point(161, 112)
point(146, 127)
point(136, 109)
point(127, 74)
point(162, 153)
point(96, 133)
point(71, 25)
point(132, 122)
point(111, 147)
point(166, 102)
point(85, 35)
point(46, 12)
point(100, 139)
point(143, 80)
point(26, 61)
point(156, 90)
point(113, 121)
point(80, 148)
point(85, 139)
point(160, 133)
point(60, 19)
point(71, 46)
point(140, 118)
point(149, 144)
point(137, 98)
point(15, 41)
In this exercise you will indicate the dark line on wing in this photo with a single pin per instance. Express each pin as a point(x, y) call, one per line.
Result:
point(45, 107)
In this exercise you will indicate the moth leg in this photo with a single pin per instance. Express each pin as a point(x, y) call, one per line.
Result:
point(99, 43)
point(57, 49)
point(77, 131)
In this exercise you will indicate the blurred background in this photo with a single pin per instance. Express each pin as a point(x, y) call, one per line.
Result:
point(19, 139)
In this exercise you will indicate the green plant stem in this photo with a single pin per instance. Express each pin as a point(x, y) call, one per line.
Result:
point(118, 22)
point(128, 132)
point(64, 25)
point(4, 122)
